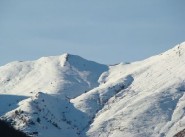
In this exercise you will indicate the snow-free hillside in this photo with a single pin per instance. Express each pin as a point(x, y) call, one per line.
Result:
point(68, 96)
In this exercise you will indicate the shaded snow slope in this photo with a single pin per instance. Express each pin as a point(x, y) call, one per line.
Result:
point(68, 96)
point(47, 115)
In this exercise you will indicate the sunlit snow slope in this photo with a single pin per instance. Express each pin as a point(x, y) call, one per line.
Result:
point(68, 96)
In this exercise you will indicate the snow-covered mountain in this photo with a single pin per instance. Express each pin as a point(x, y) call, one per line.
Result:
point(68, 96)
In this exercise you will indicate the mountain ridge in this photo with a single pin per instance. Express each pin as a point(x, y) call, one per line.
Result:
point(70, 96)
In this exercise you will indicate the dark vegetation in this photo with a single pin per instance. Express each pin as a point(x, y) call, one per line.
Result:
point(8, 131)
point(180, 134)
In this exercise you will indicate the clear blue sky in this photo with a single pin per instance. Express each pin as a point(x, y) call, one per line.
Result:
point(106, 31)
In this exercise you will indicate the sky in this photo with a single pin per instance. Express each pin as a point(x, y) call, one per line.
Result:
point(105, 31)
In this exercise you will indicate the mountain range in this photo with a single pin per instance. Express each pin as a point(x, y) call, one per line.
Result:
point(68, 96)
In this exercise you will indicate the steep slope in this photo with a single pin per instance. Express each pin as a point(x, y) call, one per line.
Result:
point(47, 115)
point(68, 96)
point(152, 104)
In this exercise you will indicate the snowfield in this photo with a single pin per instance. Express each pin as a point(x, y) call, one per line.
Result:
point(68, 96)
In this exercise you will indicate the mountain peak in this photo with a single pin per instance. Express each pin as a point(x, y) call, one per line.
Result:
point(53, 74)
point(81, 63)
point(71, 96)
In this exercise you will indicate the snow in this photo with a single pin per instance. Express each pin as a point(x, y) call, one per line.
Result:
point(69, 96)
point(66, 75)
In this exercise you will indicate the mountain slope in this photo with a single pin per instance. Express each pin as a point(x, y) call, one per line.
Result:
point(153, 104)
point(70, 96)
point(53, 79)
point(67, 74)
